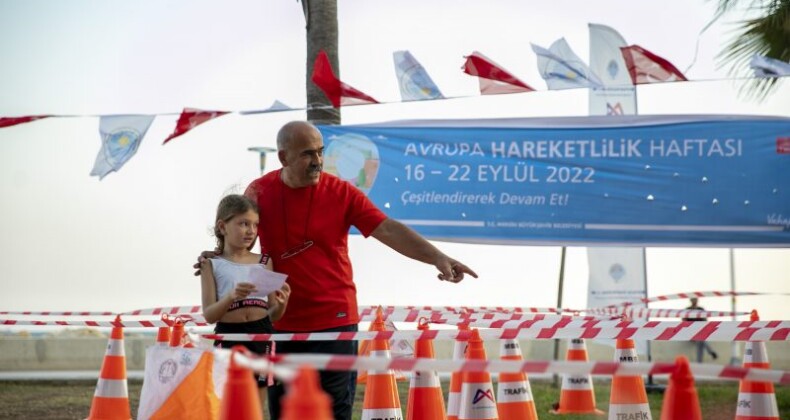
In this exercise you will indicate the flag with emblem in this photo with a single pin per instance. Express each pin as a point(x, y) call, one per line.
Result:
point(646, 67)
point(336, 91)
point(121, 135)
point(561, 68)
point(618, 97)
point(414, 82)
point(191, 118)
point(493, 78)
point(182, 383)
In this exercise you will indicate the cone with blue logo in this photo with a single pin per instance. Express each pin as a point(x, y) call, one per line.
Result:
point(305, 398)
point(240, 398)
point(680, 399)
point(381, 393)
point(111, 399)
point(756, 400)
point(454, 393)
point(425, 392)
point(514, 394)
point(577, 395)
point(628, 399)
point(477, 392)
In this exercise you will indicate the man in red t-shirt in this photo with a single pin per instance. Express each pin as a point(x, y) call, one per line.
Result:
point(305, 216)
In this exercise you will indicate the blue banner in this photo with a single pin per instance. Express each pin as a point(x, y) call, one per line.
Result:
point(629, 180)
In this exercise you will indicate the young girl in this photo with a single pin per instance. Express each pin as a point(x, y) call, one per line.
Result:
point(225, 293)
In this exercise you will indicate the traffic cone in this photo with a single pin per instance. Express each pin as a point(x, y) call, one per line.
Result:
point(756, 400)
point(364, 349)
point(381, 393)
point(514, 394)
point(577, 395)
point(628, 399)
point(680, 398)
point(177, 334)
point(454, 394)
point(305, 398)
point(425, 392)
point(163, 335)
point(477, 393)
point(240, 398)
point(111, 399)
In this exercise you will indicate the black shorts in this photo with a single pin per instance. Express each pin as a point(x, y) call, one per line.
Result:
point(261, 326)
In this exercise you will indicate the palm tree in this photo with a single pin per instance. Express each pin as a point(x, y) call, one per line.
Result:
point(321, 25)
point(767, 34)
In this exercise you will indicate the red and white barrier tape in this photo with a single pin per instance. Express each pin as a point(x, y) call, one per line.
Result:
point(639, 330)
point(98, 324)
point(688, 295)
point(173, 310)
point(343, 362)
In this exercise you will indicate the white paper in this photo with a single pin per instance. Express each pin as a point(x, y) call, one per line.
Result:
point(265, 281)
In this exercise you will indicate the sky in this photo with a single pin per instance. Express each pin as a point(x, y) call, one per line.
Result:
point(71, 242)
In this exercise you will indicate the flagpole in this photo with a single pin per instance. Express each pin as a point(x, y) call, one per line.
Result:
point(559, 305)
point(734, 359)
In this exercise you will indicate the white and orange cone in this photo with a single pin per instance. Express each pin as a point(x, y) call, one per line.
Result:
point(240, 398)
point(305, 398)
point(177, 333)
point(477, 393)
point(425, 392)
point(628, 399)
point(381, 393)
point(454, 393)
point(577, 395)
point(364, 349)
point(514, 394)
point(756, 400)
point(111, 399)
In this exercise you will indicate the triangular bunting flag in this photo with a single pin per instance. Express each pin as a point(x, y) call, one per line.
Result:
point(414, 82)
point(769, 67)
point(493, 78)
point(9, 121)
point(121, 135)
point(336, 91)
point(191, 118)
point(561, 68)
point(646, 67)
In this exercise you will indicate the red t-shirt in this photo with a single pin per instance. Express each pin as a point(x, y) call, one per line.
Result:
point(323, 294)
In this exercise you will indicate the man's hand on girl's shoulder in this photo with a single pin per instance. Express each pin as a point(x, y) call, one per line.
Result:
point(205, 255)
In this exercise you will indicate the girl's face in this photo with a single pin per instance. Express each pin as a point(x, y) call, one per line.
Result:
point(241, 230)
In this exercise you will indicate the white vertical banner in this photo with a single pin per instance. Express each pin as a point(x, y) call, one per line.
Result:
point(618, 97)
point(617, 275)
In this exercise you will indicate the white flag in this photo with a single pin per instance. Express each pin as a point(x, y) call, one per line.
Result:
point(618, 96)
point(121, 135)
point(561, 68)
point(769, 67)
point(413, 80)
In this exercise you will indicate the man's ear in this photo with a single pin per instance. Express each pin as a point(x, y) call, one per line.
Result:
point(281, 157)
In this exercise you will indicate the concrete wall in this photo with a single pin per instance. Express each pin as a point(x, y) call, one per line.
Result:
point(86, 353)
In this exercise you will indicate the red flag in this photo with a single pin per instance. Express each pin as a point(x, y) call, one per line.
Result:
point(336, 91)
point(191, 118)
point(493, 78)
point(8, 122)
point(646, 67)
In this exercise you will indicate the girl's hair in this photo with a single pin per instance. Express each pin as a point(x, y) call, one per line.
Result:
point(229, 207)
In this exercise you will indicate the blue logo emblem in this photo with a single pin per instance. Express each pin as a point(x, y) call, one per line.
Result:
point(120, 145)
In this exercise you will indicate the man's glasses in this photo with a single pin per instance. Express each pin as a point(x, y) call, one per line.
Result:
point(296, 250)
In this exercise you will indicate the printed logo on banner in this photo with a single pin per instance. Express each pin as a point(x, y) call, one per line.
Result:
point(353, 158)
point(616, 272)
point(783, 145)
point(616, 109)
point(167, 370)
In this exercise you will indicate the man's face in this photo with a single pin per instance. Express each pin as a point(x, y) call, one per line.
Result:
point(303, 157)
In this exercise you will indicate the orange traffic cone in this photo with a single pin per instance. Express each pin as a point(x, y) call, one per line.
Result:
point(425, 392)
point(577, 395)
point(756, 400)
point(680, 398)
point(514, 394)
point(163, 335)
point(628, 399)
point(111, 399)
point(305, 398)
point(454, 394)
point(177, 334)
point(240, 398)
point(364, 349)
point(477, 393)
point(381, 393)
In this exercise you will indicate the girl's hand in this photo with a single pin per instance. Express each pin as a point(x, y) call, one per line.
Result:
point(242, 290)
point(281, 296)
